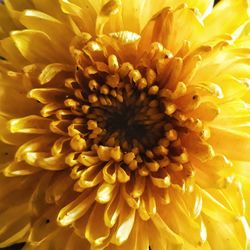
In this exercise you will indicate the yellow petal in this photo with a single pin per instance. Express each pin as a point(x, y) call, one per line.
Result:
point(30, 124)
point(105, 193)
point(50, 8)
point(51, 70)
point(216, 172)
point(37, 144)
point(139, 186)
point(165, 231)
point(161, 182)
point(207, 111)
point(198, 147)
point(97, 234)
point(76, 208)
point(53, 163)
point(229, 236)
point(215, 210)
point(109, 173)
point(88, 160)
point(112, 211)
point(132, 202)
point(19, 169)
point(91, 177)
point(226, 17)
point(122, 175)
point(162, 28)
point(138, 239)
point(109, 9)
point(33, 19)
point(82, 13)
point(20, 107)
point(43, 52)
point(223, 139)
point(125, 225)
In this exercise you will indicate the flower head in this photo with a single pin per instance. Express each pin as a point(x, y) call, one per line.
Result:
point(124, 124)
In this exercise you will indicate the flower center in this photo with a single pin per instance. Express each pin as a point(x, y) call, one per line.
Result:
point(126, 117)
point(118, 119)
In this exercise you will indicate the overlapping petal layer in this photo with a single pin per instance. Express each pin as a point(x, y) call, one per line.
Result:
point(124, 125)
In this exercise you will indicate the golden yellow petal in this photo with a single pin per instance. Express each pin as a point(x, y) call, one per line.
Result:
point(131, 201)
point(216, 172)
point(214, 209)
point(82, 14)
point(30, 124)
point(90, 177)
point(20, 107)
point(109, 13)
point(180, 219)
point(19, 169)
point(226, 17)
point(165, 232)
point(11, 53)
point(105, 193)
point(97, 234)
point(162, 28)
point(124, 226)
point(40, 21)
point(76, 208)
point(138, 239)
point(51, 8)
point(223, 139)
point(112, 211)
point(226, 235)
point(51, 70)
point(139, 186)
point(109, 173)
point(43, 52)
point(38, 144)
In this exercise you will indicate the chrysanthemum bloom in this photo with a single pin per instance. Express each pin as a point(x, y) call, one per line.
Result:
point(125, 124)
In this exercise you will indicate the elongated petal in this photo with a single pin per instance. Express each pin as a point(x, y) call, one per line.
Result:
point(35, 54)
point(125, 225)
point(76, 208)
point(93, 233)
point(227, 10)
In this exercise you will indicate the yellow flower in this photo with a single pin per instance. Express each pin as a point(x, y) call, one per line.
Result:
point(124, 124)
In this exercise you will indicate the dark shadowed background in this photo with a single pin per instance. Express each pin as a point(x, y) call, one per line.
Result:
point(19, 246)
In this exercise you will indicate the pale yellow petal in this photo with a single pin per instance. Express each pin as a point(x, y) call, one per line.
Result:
point(235, 145)
point(226, 17)
point(226, 236)
point(43, 52)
